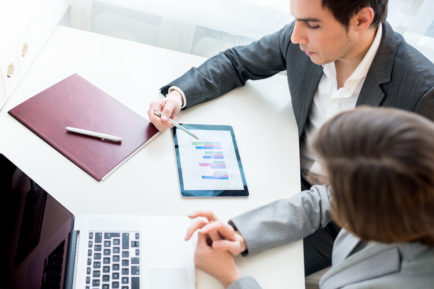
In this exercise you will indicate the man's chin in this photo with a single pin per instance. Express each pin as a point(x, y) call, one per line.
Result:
point(315, 58)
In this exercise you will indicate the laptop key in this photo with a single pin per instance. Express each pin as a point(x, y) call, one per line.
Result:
point(106, 269)
point(125, 241)
point(135, 270)
point(98, 237)
point(125, 280)
point(115, 285)
point(135, 283)
point(115, 276)
point(105, 286)
point(125, 254)
point(135, 260)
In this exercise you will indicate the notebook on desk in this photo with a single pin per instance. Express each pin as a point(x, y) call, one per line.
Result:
point(41, 247)
point(75, 102)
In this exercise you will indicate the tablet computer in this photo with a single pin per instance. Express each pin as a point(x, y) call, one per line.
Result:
point(210, 166)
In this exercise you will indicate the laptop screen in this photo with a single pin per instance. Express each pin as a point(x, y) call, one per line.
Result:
point(35, 238)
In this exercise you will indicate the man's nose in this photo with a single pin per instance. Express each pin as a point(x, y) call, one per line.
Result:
point(298, 35)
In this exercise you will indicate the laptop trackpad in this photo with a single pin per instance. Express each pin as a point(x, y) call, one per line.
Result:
point(165, 278)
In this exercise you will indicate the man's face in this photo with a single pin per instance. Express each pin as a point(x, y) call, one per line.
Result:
point(323, 38)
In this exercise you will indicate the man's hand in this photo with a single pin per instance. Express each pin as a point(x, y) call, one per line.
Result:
point(169, 108)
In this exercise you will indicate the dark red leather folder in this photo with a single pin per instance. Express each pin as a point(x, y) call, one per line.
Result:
point(76, 102)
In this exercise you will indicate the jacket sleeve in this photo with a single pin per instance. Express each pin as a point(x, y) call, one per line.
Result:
point(233, 67)
point(246, 282)
point(285, 220)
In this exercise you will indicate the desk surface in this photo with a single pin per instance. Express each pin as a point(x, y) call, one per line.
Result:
point(147, 184)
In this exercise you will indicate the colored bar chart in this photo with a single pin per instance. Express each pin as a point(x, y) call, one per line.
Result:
point(206, 145)
point(217, 176)
point(213, 154)
point(214, 165)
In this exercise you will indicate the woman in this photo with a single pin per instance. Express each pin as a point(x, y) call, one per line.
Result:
point(380, 167)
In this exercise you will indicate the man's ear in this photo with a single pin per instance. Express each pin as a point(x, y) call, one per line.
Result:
point(363, 18)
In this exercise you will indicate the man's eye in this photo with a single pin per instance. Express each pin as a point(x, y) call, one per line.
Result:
point(312, 26)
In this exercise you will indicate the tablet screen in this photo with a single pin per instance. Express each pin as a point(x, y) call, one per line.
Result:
point(210, 166)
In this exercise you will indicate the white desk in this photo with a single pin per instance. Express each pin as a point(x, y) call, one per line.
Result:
point(147, 184)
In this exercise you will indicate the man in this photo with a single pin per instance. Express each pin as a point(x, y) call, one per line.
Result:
point(337, 54)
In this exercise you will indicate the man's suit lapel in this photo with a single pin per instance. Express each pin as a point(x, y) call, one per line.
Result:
point(380, 70)
point(304, 89)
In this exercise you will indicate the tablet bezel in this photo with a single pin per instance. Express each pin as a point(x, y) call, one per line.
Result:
point(210, 193)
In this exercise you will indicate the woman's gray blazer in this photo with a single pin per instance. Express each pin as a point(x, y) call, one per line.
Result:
point(355, 264)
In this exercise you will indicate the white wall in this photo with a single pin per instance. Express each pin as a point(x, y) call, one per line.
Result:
point(205, 27)
point(201, 27)
point(25, 25)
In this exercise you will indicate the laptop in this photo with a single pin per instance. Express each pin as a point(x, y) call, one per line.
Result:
point(44, 246)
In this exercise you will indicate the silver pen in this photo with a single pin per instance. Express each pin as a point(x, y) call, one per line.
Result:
point(178, 125)
point(100, 135)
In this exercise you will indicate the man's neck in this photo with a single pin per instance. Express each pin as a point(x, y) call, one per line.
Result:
point(346, 66)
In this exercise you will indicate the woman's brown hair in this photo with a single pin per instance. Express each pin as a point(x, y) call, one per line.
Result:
point(380, 165)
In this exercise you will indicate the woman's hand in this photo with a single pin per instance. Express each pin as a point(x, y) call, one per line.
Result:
point(220, 236)
point(217, 263)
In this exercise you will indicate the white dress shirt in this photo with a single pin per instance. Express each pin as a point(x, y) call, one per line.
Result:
point(330, 100)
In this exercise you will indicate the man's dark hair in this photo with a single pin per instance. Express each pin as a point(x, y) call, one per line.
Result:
point(343, 10)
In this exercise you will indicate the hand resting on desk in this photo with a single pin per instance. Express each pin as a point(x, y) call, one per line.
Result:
point(217, 244)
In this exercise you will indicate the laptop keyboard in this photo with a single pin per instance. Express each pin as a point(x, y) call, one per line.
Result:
point(113, 260)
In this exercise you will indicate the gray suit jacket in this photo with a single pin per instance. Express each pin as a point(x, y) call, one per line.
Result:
point(355, 264)
point(399, 76)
